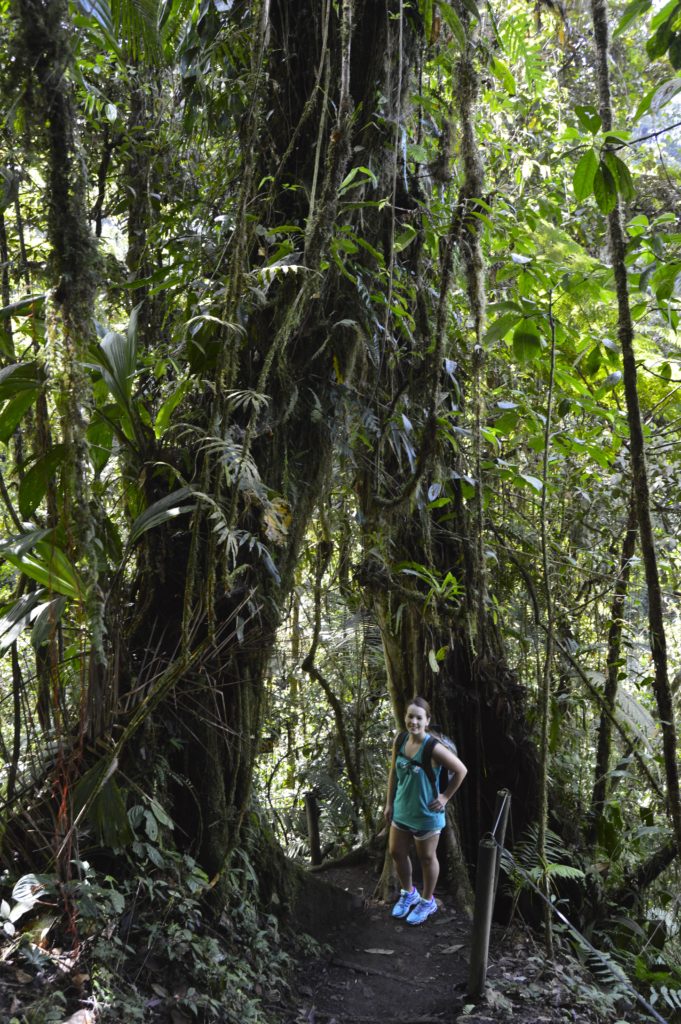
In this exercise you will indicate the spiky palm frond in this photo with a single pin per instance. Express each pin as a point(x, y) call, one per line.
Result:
point(132, 26)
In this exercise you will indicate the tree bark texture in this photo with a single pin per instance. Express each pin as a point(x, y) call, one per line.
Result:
point(601, 787)
point(45, 49)
point(290, 353)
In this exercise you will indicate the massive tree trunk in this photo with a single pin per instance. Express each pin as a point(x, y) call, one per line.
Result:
point(203, 602)
point(301, 131)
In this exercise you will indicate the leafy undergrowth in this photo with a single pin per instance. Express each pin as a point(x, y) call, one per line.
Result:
point(147, 949)
point(143, 949)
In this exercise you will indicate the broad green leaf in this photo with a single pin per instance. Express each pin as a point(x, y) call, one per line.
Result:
point(503, 73)
point(20, 377)
point(43, 562)
point(23, 307)
point(637, 225)
point(658, 44)
point(154, 855)
point(169, 406)
point(13, 412)
point(150, 826)
point(17, 545)
point(16, 618)
point(162, 511)
point(452, 19)
point(583, 180)
point(665, 13)
point(599, 455)
point(659, 96)
point(605, 189)
point(526, 342)
point(33, 486)
point(46, 616)
point(675, 52)
point(593, 361)
point(589, 118)
point(160, 814)
point(349, 180)
point(507, 422)
point(621, 174)
point(117, 360)
point(500, 328)
point(632, 11)
point(533, 481)
point(404, 238)
point(100, 442)
point(610, 382)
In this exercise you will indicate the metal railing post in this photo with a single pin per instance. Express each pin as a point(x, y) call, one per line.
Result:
point(501, 813)
point(486, 880)
point(482, 915)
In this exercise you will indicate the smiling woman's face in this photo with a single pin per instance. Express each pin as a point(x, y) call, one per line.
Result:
point(416, 719)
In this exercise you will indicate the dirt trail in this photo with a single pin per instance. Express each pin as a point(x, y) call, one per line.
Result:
point(379, 969)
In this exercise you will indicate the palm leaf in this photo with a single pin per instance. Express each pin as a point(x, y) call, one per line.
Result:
point(131, 24)
point(15, 618)
point(162, 511)
point(43, 561)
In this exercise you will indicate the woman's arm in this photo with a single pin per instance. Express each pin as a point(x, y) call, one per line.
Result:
point(444, 757)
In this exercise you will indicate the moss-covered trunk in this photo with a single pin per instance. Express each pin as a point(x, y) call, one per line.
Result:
point(229, 577)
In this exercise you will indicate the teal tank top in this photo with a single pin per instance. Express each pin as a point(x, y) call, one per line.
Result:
point(414, 793)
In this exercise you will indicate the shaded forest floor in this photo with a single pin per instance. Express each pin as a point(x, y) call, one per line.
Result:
point(365, 968)
point(377, 970)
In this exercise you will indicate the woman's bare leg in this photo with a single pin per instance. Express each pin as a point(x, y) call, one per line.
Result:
point(399, 843)
point(430, 866)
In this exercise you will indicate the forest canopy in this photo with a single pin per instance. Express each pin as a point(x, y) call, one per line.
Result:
point(340, 363)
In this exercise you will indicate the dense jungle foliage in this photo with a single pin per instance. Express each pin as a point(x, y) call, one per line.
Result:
point(339, 362)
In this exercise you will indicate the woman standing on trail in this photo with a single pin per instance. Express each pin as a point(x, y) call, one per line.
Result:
point(415, 807)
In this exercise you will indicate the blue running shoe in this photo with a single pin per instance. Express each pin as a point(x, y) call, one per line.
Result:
point(422, 910)
point(405, 902)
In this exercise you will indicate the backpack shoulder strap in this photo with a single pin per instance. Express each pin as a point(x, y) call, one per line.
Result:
point(427, 760)
point(398, 741)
